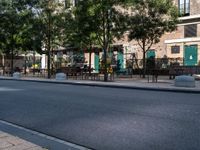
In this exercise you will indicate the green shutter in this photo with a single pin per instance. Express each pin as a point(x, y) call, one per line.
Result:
point(120, 58)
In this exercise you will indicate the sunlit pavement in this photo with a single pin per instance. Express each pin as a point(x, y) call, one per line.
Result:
point(9, 142)
point(163, 83)
point(123, 83)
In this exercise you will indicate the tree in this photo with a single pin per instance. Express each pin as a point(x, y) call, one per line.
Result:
point(13, 21)
point(31, 25)
point(110, 22)
point(101, 23)
point(84, 27)
point(150, 20)
point(51, 18)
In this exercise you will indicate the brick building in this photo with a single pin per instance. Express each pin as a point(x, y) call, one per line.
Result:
point(184, 43)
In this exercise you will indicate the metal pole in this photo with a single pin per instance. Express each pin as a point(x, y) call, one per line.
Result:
point(25, 64)
point(90, 58)
point(34, 62)
point(3, 63)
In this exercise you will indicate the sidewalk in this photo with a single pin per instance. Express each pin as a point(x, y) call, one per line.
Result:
point(163, 83)
point(15, 137)
point(9, 142)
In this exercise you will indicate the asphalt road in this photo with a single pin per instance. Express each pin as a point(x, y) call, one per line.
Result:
point(104, 118)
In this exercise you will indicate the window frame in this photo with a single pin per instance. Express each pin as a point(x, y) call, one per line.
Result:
point(186, 7)
point(188, 33)
point(174, 50)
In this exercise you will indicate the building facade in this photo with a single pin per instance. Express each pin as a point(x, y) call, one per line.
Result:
point(184, 43)
point(181, 46)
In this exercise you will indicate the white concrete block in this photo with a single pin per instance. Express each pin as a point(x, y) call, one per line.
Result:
point(17, 75)
point(61, 76)
point(196, 76)
point(184, 81)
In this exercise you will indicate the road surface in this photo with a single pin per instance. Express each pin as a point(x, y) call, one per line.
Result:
point(104, 118)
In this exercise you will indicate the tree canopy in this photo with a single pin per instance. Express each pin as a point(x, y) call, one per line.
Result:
point(48, 24)
point(98, 23)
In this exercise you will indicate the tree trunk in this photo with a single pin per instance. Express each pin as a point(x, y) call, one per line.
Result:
point(90, 59)
point(105, 65)
point(105, 44)
point(49, 46)
point(144, 65)
point(34, 62)
point(144, 59)
point(49, 63)
point(12, 53)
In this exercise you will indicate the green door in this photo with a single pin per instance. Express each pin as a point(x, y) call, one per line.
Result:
point(96, 61)
point(151, 53)
point(120, 59)
point(190, 55)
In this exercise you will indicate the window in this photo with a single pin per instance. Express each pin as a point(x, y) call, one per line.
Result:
point(190, 30)
point(184, 7)
point(175, 49)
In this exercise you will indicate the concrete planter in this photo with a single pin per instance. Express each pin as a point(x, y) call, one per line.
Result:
point(17, 75)
point(61, 76)
point(196, 76)
point(184, 81)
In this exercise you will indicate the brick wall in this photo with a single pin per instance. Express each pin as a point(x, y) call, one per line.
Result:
point(165, 49)
point(162, 48)
point(194, 7)
point(198, 30)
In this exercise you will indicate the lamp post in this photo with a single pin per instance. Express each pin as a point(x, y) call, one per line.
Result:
point(3, 63)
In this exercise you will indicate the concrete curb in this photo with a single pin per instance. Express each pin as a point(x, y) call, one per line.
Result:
point(38, 138)
point(180, 90)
